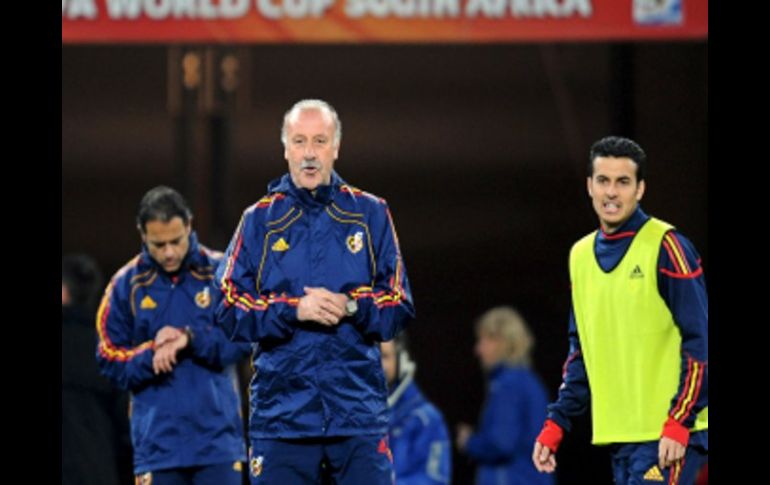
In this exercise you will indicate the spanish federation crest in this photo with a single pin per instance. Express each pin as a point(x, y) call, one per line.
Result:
point(256, 465)
point(144, 479)
point(355, 242)
point(203, 298)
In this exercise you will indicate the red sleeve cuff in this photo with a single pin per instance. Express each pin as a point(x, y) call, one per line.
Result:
point(551, 435)
point(674, 430)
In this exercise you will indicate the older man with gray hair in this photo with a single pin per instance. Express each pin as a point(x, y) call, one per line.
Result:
point(315, 277)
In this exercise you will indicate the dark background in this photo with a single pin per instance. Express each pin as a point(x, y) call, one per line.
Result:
point(481, 152)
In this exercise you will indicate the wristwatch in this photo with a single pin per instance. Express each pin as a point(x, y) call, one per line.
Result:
point(351, 307)
point(190, 335)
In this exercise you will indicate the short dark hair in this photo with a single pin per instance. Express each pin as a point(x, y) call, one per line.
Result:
point(83, 278)
point(618, 147)
point(162, 203)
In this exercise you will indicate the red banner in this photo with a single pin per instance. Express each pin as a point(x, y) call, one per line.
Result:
point(318, 21)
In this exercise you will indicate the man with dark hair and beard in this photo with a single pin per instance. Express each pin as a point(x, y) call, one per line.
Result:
point(157, 339)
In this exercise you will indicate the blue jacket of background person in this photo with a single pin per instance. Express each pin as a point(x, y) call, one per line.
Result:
point(419, 440)
point(190, 416)
point(510, 421)
point(312, 380)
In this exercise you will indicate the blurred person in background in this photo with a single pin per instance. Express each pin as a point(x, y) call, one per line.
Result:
point(419, 439)
point(94, 422)
point(157, 339)
point(514, 407)
point(638, 333)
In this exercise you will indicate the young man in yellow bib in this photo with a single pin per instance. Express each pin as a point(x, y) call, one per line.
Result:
point(638, 334)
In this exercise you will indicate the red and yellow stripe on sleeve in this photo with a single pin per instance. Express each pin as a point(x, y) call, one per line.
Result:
point(690, 391)
point(676, 253)
point(267, 200)
point(107, 349)
point(397, 292)
point(675, 472)
point(574, 355)
point(244, 301)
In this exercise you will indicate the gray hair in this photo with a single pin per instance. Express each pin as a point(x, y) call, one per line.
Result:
point(311, 104)
point(508, 325)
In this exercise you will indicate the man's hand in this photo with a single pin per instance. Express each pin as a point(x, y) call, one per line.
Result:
point(669, 452)
point(167, 334)
point(172, 341)
point(322, 306)
point(543, 458)
point(464, 432)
